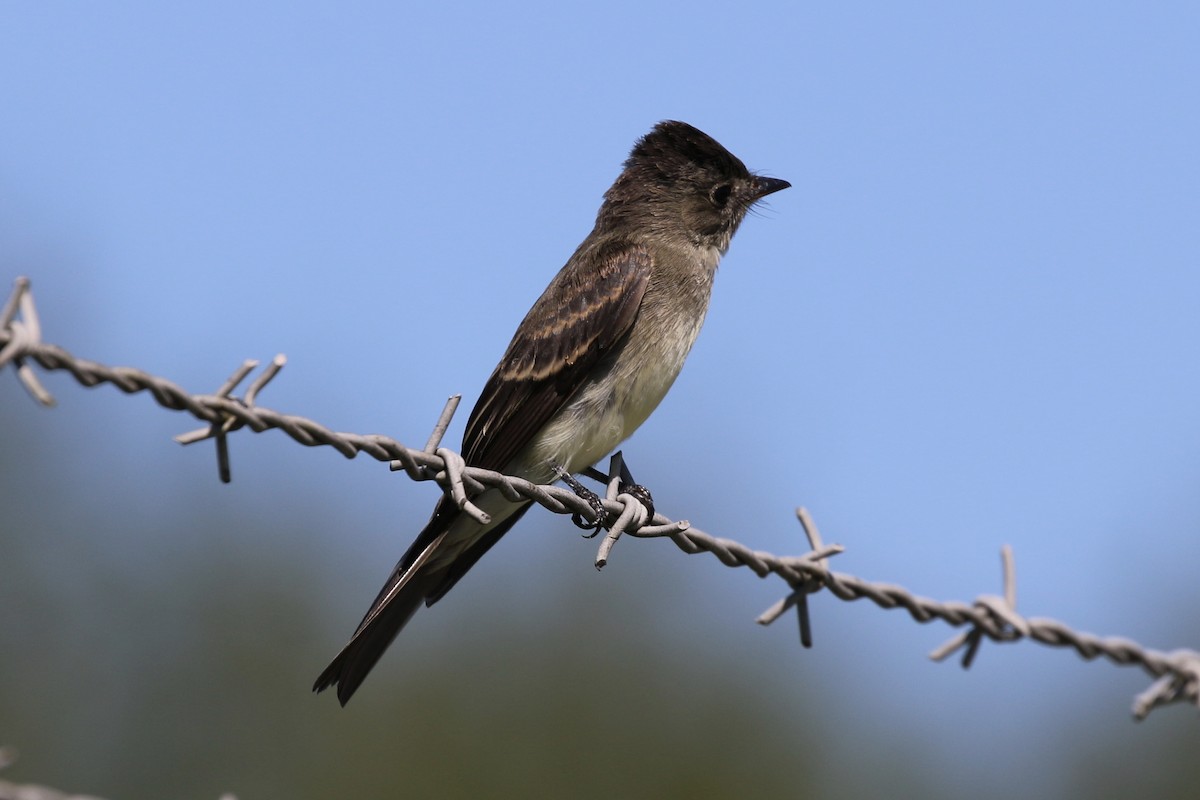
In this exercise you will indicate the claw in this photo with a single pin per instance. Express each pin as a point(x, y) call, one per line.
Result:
point(641, 494)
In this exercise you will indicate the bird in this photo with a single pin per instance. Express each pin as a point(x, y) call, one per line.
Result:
point(591, 360)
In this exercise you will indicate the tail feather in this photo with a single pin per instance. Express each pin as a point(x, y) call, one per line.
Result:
point(464, 562)
point(406, 589)
point(418, 578)
point(363, 650)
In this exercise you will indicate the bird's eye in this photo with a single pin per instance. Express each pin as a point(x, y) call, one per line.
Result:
point(720, 194)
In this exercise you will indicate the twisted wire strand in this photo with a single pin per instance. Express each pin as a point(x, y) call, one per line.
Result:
point(29, 791)
point(989, 616)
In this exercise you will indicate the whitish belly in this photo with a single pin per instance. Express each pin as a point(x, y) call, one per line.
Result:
point(608, 410)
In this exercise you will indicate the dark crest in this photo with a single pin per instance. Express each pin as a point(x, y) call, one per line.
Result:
point(675, 150)
point(680, 182)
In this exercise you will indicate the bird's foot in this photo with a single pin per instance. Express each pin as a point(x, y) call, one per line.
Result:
point(588, 496)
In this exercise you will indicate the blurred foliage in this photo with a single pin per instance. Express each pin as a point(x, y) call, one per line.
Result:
point(158, 644)
point(158, 648)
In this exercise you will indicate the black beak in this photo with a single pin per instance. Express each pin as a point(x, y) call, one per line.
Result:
point(762, 186)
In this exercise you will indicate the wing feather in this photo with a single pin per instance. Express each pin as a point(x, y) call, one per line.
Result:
point(581, 317)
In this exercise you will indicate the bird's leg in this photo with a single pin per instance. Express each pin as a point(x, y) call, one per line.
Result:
point(587, 495)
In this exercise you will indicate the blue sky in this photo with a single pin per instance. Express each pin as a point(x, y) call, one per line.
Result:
point(972, 321)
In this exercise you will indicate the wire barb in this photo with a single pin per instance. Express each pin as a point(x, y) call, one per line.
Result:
point(811, 582)
point(219, 429)
point(439, 428)
point(418, 471)
point(21, 337)
point(1176, 674)
point(454, 474)
point(1181, 684)
point(1003, 624)
point(631, 517)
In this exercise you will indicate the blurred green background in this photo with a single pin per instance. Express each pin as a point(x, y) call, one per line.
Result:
point(162, 644)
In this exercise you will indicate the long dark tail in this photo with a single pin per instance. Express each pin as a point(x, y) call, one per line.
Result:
point(411, 583)
point(361, 653)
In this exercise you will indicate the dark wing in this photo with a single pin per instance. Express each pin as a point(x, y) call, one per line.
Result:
point(585, 313)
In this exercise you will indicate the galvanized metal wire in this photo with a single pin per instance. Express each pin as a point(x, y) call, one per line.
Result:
point(30, 791)
point(994, 617)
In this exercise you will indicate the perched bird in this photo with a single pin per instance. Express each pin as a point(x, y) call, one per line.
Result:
point(593, 357)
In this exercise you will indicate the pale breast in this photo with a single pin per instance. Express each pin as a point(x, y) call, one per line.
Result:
point(630, 384)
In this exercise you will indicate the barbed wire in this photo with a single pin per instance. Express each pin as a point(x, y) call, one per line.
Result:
point(31, 791)
point(994, 617)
